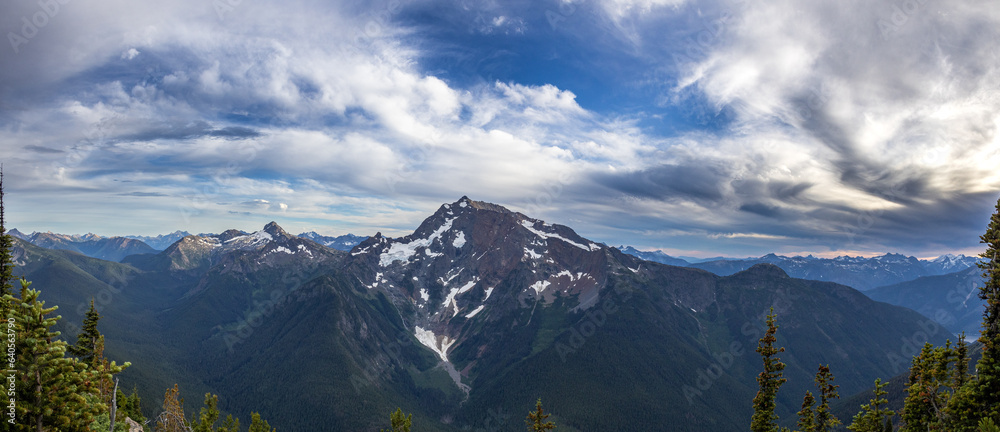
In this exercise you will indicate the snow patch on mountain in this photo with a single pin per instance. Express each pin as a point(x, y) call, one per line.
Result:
point(573, 277)
point(430, 340)
point(532, 254)
point(475, 311)
point(450, 299)
point(210, 241)
point(379, 278)
point(255, 239)
point(459, 240)
point(405, 251)
point(540, 286)
point(530, 227)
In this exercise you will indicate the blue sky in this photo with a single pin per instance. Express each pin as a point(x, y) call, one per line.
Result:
point(701, 128)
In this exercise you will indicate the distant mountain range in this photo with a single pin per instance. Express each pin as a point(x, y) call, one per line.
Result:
point(117, 248)
point(92, 245)
point(465, 323)
point(161, 241)
point(344, 243)
point(951, 299)
point(857, 272)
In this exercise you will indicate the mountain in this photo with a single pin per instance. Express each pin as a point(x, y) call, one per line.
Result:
point(466, 322)
point(15, 233)
point(202, 252)
point(655, 256)
point(857, 272)
point(951, 299)
point(344, 243)
point(162, 241)
point(950, 264)
point(92, 245)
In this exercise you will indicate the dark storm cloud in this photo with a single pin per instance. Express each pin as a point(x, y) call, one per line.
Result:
point(187, 131)
point(41, 149)
point(665, 182)
point(761, 209)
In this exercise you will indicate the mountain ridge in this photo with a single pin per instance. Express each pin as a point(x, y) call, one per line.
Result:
point(859, 272)
point(479, 310)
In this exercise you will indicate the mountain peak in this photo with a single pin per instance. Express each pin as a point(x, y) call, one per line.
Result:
point(14, 232)
point(465, 203)
point(275, 230)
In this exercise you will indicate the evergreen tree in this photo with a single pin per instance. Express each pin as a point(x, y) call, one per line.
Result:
point(105, 371)
point(807, 421)
point(399, 422)
point(986, 391)
point(208, 416)
point(86, 341)
point(6, 259)
point(536, 419)
point(873, 416)
point(987, 425)
point(770, 380)
point(129, 406)
point(230, 425)
point(961, 362)
point(935, 400)
point(825, 420)
point(93, 355)
point(54, 392)
point(921, 401)
point(258, 425)
point(172, 418)
point(103, 423)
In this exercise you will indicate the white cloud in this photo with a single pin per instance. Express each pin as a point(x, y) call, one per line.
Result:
point(328, 114)
point(621, 8)
point(130, 54)
point(915, 103)
point(396, 130)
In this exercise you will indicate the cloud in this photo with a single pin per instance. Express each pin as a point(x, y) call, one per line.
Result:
point(746, 126)
point(143, 194)
point(667, 182)
point(41, 149)
point(621, 8)
point(130, 54)
point(265, 205)
point(187, 131)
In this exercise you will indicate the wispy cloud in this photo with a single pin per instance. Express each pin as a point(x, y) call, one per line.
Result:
point(738, 127)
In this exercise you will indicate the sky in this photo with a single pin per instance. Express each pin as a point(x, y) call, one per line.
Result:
point(700, 128)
